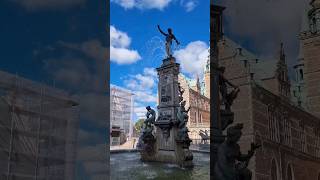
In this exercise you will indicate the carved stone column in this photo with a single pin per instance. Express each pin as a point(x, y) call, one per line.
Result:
point(169, 148)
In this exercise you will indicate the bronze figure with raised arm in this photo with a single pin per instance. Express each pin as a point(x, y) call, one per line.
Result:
point(169, 37)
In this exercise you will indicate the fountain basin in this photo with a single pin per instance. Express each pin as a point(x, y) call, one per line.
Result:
point(126, 165)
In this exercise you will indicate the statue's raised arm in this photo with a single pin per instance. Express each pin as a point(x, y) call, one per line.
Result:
point(162, 31)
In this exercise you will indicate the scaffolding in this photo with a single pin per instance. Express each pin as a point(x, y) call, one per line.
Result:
point(121, 113)
point(38, 131)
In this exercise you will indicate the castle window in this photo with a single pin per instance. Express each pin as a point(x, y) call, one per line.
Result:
point(301, 74)
point(274, 170)
point(273, 125)
point(289, 173)
point(303, 138)
point(286, 131)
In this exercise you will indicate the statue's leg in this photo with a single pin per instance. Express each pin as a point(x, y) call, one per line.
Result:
point(168, 49)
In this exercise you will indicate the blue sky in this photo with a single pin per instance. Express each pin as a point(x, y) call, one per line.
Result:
point(137, 47)
point(260, 25)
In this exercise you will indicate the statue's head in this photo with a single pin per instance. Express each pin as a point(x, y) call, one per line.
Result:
point(234, 133)
point(169, 30)
point(148, 108)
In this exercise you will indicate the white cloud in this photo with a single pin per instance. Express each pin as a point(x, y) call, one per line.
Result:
point(150, 71)
point(119, 44)
point(142, 82)
point(146, 82)
point(140, 112)
point(123, 55)
point(119, 38)
point(143, 87)
point(193, 58)
point(142, 100)
point(92, 48)
point(48, 4)
point(145, 97)
point(189, 5)
point(143, 4)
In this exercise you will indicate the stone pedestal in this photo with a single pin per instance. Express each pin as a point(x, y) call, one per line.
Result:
point(169, 148)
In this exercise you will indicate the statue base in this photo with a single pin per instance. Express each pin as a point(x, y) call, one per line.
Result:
point(168, 61)
point(169, 150)
point(171, 139)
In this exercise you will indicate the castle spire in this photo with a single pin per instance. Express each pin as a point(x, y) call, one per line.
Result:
point(313, 15)
point(304, 18)
point(282, 74)
point(282, 54)
point(198, 84)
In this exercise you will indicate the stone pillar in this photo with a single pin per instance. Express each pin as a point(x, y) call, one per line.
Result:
point(168, 148)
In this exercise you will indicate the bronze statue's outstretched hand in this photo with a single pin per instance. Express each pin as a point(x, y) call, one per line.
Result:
point(161, 31)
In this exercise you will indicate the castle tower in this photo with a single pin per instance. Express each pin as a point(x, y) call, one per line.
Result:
point(198, 86)
point(282, 75)
point(310, 40)
point(298, 83)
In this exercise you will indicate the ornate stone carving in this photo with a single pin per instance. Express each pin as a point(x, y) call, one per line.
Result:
point(182, 119)
point(147, 140)
point(231, 164)
point(227, 98)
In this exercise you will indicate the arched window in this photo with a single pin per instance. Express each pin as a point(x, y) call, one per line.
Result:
point(274, 170)
point(289, 173)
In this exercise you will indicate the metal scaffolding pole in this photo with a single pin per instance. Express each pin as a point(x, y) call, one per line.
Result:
point(36, 115)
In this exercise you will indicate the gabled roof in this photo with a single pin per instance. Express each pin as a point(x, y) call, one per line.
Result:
point(262, 68)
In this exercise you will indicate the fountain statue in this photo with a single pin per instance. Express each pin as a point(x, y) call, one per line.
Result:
point(151, 117)
point(169, 38)
point(169, 142)
point(147, 140)
point(231, 164)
